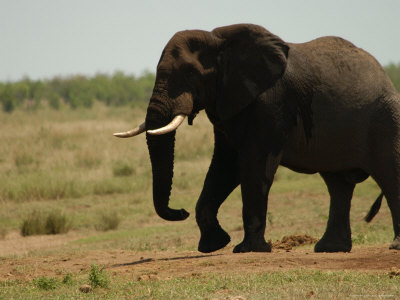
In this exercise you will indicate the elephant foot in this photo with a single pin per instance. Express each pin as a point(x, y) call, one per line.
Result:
point(259, 245)
point(213, 240)
point(395, 244)
point(332, 245)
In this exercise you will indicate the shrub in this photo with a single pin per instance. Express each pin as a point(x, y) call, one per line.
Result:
point(98, 278)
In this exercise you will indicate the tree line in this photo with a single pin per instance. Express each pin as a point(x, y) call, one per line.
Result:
point(80, 91)
point(77, 91)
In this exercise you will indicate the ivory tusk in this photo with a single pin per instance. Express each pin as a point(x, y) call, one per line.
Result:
point(138, 130)
point(173, 125)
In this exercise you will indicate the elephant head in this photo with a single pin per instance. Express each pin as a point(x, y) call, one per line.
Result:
point(222, 71)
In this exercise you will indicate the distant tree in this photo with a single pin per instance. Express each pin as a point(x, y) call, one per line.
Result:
point(21, 91)
point(7, 98)
point(123, 87)
point(146, 85)
point(76, 91)
point(393, 71)
point(54, 100)
point(102, 89)
point(36, 90)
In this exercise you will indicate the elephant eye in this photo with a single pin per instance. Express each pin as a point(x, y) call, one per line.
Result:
point(191, 75)
point(192, 78)
point(188, 70)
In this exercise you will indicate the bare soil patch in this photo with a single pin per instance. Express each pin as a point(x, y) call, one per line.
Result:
point(162, 265)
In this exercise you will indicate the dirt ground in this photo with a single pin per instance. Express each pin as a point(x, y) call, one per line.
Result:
point(162, 265)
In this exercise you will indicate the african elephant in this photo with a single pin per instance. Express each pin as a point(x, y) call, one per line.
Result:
point(322, 106)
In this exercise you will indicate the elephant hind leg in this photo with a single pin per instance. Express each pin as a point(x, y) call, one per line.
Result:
point(337, 237)
point(389, 181)
point(385, 160)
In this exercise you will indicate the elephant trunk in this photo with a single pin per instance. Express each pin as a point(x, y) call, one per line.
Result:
point(161, 149)
point(160, 112)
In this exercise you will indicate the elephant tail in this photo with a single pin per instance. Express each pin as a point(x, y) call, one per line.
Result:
point(374, 209)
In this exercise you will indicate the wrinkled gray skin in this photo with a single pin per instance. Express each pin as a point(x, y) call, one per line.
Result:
point(323, 106)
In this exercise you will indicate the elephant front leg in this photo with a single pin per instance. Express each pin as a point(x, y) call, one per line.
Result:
point(222, 178)
point(256, 179)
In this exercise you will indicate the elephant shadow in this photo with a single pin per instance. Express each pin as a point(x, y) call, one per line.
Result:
point(149, 260)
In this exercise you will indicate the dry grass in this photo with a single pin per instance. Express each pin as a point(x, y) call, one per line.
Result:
point(68, 159)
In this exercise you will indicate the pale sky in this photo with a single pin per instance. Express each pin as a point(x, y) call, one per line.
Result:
point(46, 38)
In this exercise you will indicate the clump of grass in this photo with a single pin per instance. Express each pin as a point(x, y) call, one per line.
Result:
point(45, 283)
point(98, 278)
point(57, 222)
point(108, 221)
point(23, 160)
point(360, 238)
point(37, 223)
point(33, 224)
point(122, 169)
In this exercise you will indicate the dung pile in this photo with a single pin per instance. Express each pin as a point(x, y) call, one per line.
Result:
point(290, 241)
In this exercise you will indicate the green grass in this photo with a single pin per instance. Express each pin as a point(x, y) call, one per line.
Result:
point(45, 283)
point(299, 284)
point(276, 285)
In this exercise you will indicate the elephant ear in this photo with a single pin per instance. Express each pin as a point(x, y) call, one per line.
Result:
point(251, 60)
